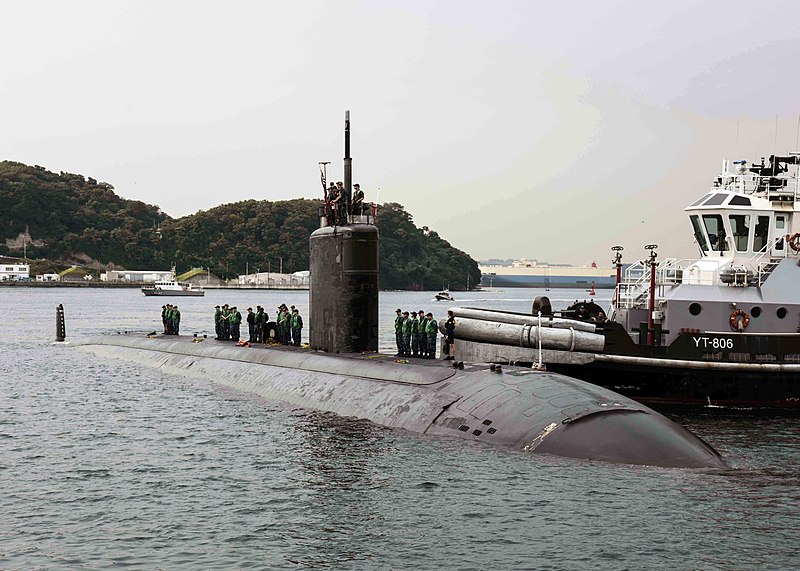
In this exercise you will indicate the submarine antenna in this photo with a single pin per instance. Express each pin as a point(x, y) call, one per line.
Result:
point(348, 163)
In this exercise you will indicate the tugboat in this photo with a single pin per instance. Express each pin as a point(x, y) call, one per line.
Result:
point(721, 330)
point(444, 295)
point(172, 287)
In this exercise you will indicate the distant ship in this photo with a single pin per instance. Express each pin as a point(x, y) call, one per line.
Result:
point(529, 273)
point(173, 288)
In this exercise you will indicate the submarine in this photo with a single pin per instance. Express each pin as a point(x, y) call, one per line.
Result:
point(342, 372)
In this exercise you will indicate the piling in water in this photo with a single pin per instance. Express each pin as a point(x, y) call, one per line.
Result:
point(61, 328)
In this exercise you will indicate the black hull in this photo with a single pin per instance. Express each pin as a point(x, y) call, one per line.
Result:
point(668, 384)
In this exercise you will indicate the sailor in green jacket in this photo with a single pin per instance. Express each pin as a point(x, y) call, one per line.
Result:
point(398, 332)
point(176, 320)
point(283, 325)
point(414, 335)
point(218, 321)
point(226, 323)
point(431, 329)
point(297, 327)
point(235, 318)
point(170, 320)
point(406, 335)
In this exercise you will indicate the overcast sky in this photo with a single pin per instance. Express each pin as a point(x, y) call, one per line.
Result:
point(549, 130)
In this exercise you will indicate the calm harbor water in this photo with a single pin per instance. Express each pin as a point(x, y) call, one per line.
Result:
point(104, 464)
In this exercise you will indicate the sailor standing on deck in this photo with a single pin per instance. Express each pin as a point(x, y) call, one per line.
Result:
point(264, 335)
point(170, 321)
point(449, 334)
point(341, 204)
point(414, 335)
point(335, 198)
point(235, 319)
point(251, 325)
point(398, 332)
point(258, 324)
point(176, 320)
point(283, 324)
point(431, 329)
point(226, 324)
point(297, 327)
point(164, 318)
point(218, 321)
point(406, 335)
point(330, 207)
point(358, 200)
point(423, 337)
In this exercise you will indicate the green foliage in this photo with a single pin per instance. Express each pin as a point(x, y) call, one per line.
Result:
point(67, 214)
point(71, 217)
point(232, 238)
point(413, 258)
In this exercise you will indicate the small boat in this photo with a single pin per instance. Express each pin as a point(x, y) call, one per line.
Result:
point(173, 288)
point(444, 295)
point(718, 330)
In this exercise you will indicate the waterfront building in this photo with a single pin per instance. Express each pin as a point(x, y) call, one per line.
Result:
point(14, 269)
point(135, 276)
point(296, 280)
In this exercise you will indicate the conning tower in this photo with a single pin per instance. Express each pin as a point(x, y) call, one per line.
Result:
point(344, 278)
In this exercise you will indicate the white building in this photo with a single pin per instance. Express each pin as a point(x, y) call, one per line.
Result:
point(11, 269)
point(136, 276)
point(48, 278)
point(297, 280)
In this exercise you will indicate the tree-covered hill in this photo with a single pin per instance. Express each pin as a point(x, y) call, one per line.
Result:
point(251, 234)
point(415, 258)
point(73, 219)
point(67, 215)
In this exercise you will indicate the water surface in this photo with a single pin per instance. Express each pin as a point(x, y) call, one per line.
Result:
point(106, 464)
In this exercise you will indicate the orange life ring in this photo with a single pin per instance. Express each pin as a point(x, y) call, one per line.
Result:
point(739, 316)
point(794, 241)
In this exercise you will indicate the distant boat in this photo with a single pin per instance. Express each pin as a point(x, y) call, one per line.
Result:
point(444, 295)
point(172, 287)
point(531, 274)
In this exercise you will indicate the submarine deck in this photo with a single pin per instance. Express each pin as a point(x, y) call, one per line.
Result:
point(519, 408)
point(373, 365)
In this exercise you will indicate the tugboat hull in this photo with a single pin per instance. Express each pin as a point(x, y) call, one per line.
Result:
point(695, 369)
point(691, 383)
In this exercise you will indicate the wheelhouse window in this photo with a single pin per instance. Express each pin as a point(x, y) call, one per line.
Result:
point(716, 231)
point(780, 227)
point(740, 228)
point(699, 234)
point(761, 233)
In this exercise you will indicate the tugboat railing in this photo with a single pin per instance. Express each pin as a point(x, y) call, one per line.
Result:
point(635, 290)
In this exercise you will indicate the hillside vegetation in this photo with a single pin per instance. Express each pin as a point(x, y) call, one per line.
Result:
point(68, 218)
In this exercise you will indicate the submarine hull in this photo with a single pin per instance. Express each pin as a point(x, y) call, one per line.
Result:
point(518, 408)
